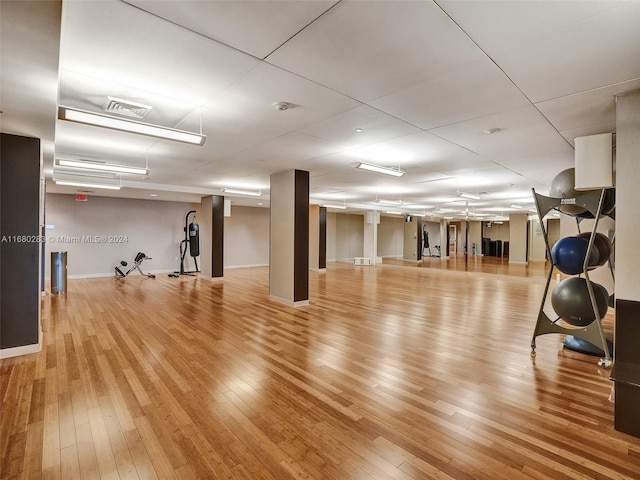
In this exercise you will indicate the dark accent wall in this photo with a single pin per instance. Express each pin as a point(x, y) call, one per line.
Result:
point(626, 370)
point(217, 243)
point(322, 233)
point(301, 236)
point(19, 232)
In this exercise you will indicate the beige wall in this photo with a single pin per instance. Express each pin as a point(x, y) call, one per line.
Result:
point(282, 235)
point(390, 236)
point(246, 237)
point(99, 233)
point(627, 197)
point(518, 238)
point(537, 247)
point(349, 236)
point(475, 236)
point(410, 243)
point(331, 236)
point(497, 231)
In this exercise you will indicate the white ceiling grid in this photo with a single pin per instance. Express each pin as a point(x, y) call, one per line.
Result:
point(422, 80)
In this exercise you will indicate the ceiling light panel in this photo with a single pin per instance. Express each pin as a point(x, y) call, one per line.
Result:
point(131, 126)
point(104, 167)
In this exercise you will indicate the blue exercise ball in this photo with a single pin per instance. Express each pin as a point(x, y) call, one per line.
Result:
point(571, 302)
point(569, 253)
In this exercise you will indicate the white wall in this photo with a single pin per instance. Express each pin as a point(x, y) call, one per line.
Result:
point(99, 233)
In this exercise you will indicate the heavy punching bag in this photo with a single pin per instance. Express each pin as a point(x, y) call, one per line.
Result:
point(194, 239)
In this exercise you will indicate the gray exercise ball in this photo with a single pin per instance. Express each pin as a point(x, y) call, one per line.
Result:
point(571, 302)
point(563, 186)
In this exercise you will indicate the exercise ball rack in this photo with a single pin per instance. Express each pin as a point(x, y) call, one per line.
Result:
point(592, 201)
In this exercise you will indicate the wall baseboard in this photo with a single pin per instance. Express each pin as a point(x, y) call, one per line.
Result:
point(17, 351)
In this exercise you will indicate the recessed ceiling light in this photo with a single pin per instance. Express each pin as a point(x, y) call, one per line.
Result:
point(491, 131)
point(153, 195)
point(358, 130)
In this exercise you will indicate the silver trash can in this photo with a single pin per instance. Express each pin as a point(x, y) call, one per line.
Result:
point(58, 272)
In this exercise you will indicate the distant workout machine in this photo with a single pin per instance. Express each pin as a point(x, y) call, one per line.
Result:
point(136, 265)
point(192, 239)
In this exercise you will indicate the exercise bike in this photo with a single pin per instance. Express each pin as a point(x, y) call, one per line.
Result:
point(136, 265)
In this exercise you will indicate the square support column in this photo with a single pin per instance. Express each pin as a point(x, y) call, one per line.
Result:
point(212, 236)
point(626, 369)
point(289, 238)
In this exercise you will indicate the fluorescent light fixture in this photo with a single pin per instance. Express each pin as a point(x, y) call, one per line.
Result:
point(390, 202)
point(513, 205)
point(339, 207)
point(62, 162)
point(470, 196)
point(393, 212)
point(126, 125)
point(236, 191)
point(71, 183)
point(396, 172)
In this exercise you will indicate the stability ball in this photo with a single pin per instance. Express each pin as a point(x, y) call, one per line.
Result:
point(608, 204)
point(563, 186)
point(571, 302)
point(569, 253)
point(602, 243)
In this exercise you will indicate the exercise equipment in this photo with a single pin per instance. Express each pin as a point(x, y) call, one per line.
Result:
point(569, 254)
point(571, 301)
point(602, 243)
point(581, 303)
point(192, 243)
point(136, 266)
point(563, 186)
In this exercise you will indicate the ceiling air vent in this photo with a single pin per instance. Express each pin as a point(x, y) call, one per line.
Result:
point(126, 107)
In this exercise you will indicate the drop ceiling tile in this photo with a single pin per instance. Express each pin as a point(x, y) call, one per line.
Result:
point(241, 25)
point(254, 96)
point(119, 43)
point(376, 126)
point(552, 49)
point(590, 112)
point(468, 91)
point(370, 49)
point(522, 131)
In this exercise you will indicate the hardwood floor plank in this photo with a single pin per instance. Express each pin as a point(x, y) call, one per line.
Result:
point(391, 372)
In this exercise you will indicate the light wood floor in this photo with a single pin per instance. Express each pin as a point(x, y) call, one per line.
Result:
point(392, 372)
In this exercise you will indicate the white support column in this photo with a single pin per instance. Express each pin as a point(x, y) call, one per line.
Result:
point(370, 240)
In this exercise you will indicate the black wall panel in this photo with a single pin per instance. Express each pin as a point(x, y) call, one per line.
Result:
point(19, 233)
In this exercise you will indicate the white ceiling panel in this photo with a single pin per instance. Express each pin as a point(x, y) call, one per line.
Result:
point(590, 112)
point(522, 132)
point(241, 25)
point(118, 43)
point(551, 49)
point(370, 49)
point(254, 95)
point(468, 91)
point(375, 125)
